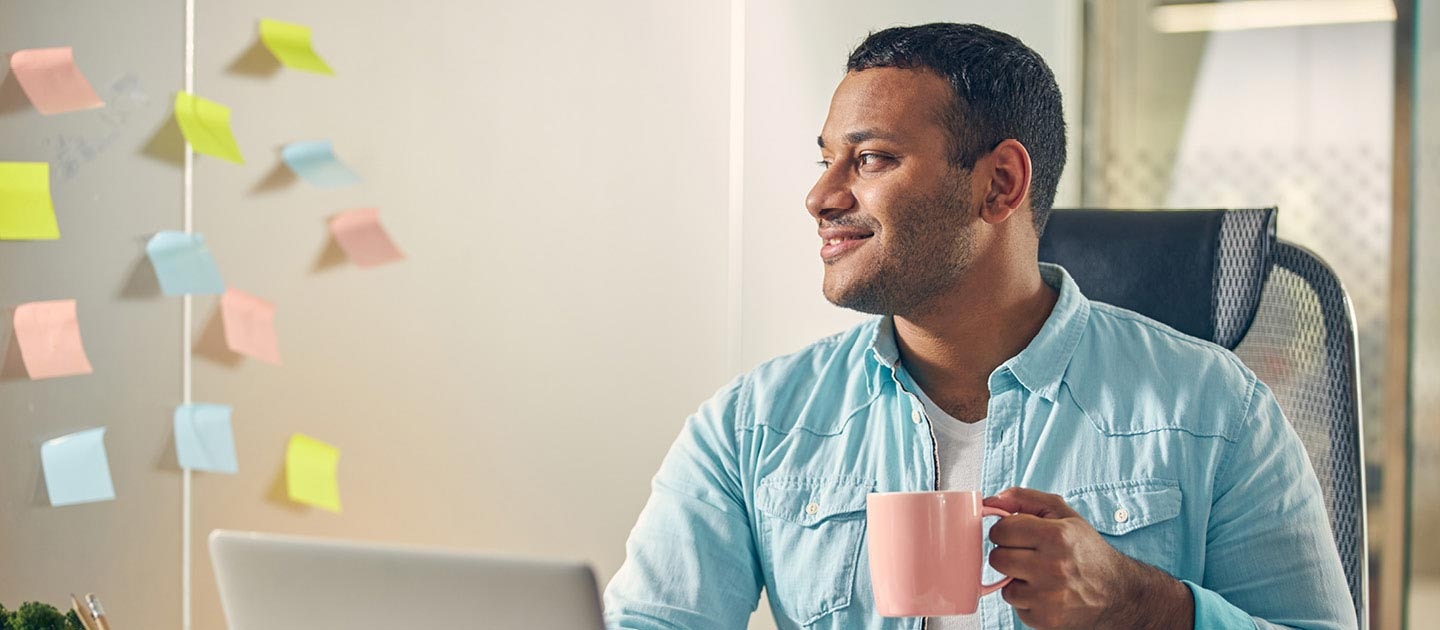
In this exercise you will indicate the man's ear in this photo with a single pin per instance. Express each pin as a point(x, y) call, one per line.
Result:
point(1007, 181)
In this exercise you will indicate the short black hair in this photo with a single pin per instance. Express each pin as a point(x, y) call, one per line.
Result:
point(1002, 89)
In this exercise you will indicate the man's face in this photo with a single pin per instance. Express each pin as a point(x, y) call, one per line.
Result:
point(894, 213)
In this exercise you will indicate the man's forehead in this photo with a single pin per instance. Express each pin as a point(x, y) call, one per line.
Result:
point(884, 104)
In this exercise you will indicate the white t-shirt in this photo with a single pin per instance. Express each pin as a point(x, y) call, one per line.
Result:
point(961, 448)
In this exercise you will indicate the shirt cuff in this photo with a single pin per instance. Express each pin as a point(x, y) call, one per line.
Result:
point(1212, 612)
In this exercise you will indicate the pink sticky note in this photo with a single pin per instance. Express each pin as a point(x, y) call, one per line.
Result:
point(249, 325)
point(49, 337)
point(51, 80)
point(362, 237)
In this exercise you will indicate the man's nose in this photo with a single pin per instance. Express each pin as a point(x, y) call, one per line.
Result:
point(830, 194)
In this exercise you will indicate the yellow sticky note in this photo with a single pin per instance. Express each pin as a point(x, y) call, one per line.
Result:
point(290, 43)
point(310, 472)
point(26, 212)
point(206, 125)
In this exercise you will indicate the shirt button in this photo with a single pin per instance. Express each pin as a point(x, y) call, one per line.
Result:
point(812, 509)
point(915, 416)
point(1122, 515)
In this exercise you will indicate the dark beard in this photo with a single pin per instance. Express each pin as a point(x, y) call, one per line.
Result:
point(919, 262)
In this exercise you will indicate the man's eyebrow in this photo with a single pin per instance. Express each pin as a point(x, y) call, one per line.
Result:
point(856, 137)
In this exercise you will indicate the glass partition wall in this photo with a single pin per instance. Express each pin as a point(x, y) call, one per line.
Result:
point(1424, 518)
point(1197, 105)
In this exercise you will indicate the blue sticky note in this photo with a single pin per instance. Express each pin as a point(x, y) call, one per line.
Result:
point(315, 162)
point(203, 439)
point(76, 468)
point(183, 264)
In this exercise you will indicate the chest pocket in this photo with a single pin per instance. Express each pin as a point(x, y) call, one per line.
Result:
point(812, 533)
point(1138, 518)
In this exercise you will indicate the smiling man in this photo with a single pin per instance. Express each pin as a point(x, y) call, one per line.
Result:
point(1155, 482)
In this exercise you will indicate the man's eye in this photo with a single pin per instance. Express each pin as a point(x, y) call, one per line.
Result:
point(873, 160)
point(823, 164)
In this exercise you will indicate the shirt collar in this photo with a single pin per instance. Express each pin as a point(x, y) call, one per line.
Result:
point(1041, 366)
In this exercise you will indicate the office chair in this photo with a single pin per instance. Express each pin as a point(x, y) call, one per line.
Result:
point(1221, 275)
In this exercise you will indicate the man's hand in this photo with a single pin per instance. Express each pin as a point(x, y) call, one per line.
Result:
point(1067, 576)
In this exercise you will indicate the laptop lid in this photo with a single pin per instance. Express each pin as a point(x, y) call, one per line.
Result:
point(271, 582)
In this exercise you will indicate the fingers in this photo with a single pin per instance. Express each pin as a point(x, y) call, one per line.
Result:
point(1021, 564)
point(1019, 594)
point(1021, 531)
point(1031, 605)
point(1049, 535)
point(1032, 502)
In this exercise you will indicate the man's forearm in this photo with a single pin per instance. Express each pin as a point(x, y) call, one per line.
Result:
point(1155, 601)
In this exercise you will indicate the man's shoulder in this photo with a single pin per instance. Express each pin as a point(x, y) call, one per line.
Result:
point(1114, 322)
point(1134, 374)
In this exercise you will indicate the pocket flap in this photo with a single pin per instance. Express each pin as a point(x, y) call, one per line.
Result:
point(810, 500)
point(1125, 506)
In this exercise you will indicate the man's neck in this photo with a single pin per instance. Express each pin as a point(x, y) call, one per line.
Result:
point(952, 347)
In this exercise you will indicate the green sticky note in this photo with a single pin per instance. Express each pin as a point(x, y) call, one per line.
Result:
point(26, 212)
point(310, 472)
point(290, 43)
point(206, 125)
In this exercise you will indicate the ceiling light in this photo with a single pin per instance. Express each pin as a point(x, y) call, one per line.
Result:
point(1236, 15)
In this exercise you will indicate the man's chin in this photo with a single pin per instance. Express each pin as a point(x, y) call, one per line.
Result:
point(861, 299)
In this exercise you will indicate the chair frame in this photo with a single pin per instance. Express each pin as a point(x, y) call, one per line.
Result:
point(1341, 341)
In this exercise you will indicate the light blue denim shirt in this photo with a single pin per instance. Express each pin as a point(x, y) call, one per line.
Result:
point(1166, 444)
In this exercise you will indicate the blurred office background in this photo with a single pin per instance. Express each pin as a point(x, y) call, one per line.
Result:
point(601, 207)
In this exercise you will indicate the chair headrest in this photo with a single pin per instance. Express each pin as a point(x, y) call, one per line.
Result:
point(1199, 271)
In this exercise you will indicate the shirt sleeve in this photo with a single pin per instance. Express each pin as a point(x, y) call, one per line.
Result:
point(1270, 559)
point(690, 561)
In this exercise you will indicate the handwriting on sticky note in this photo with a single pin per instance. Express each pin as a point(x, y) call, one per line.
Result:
point(249, 324)
point(49, 338)
point(26, 211)
point(52, 82)
point(76, 468)
point(183, 264)
point(311, 467)
point(291, 45)
point(363, 239)
point(206, 125)
point(315, 162)
point(204, 439)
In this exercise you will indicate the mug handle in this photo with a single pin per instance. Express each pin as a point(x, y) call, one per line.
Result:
point(986, 589)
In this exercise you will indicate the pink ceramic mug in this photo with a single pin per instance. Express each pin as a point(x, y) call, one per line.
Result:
point(926, 554)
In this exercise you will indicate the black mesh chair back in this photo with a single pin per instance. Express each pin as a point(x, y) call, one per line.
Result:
point(1222, 276)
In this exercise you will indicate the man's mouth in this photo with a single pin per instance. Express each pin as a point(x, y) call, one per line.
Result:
point(837, 246)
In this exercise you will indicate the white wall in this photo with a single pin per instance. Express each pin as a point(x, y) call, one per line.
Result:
point(554, 172)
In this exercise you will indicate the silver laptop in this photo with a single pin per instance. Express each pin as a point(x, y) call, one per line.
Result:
point(270, 582)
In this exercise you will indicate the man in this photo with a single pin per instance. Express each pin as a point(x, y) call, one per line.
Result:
point(1154, 480)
